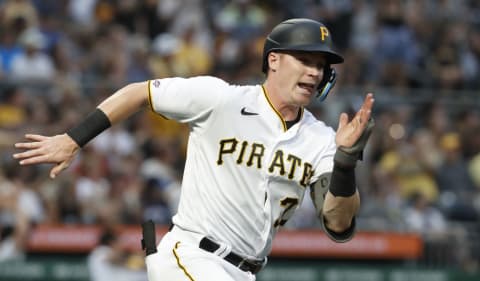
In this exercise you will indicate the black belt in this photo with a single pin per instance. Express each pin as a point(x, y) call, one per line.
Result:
point(238, 261)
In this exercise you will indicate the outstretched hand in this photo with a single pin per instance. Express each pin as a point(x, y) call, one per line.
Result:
point(349, 132)
point(59, 150)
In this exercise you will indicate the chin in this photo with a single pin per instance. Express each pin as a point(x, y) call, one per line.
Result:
point(304, 99)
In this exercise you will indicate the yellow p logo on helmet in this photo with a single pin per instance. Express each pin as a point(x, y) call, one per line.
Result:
point(324, 32)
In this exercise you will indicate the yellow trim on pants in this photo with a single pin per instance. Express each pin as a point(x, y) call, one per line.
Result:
point(179, 264)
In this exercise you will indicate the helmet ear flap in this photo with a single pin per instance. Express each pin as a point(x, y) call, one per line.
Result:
point(327, 83)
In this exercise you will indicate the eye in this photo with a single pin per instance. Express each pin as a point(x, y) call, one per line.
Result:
point(305, 61)
point(311, 62)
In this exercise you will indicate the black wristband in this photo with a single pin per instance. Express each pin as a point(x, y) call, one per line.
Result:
point(95, 123)
point(342, 182)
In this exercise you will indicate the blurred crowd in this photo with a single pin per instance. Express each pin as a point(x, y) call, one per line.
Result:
point(59, 59)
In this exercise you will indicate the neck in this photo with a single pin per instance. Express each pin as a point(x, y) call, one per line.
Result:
point(288, 111)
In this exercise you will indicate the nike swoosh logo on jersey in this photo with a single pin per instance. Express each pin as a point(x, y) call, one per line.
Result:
point(245, 112)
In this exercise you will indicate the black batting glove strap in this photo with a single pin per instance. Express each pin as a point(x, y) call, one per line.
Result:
point(342, 182)
point(95, 123)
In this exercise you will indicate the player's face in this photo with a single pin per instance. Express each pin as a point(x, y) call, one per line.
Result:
point(300, 73)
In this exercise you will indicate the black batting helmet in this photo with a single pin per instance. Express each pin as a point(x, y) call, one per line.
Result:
point(300, 35)
point(304, 35)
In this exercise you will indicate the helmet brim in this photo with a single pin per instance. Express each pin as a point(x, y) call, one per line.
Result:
point(331, 56)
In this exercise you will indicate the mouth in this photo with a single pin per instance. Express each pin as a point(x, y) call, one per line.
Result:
point(310, 87)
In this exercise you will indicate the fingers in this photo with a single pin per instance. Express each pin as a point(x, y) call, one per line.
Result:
point(342, 121)
point(27, 154)
point(368, 102)
point(35, 137)
point(57, 169)
point(28, 145)
point(36, 141)
point(366, 110)
point(35, 160)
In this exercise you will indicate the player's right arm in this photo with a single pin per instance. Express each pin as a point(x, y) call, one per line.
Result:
point(61, 149)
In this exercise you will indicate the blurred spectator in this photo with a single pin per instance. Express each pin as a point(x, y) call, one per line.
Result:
point(383, 204)
point(363, 27)
point(155, 201)
point(8, 49)
point(474, 171)
point(186, 16)
point(69, 209)
point(138, 69)
point(24, 183)
point(151, 21)
point(110, 261)
point(179, 56)
point(470, 60)
point(165, 62)
point(243, 19)
point(429, 155)
point(14, 223)
point(454, 181)
point(12, 108)
point(403, 166)
point(111, 56)
point(12, 10)
point(33, 64)
point(467, 124)
point(435, 118)
point(396, 50)
point(423, 218)
point(445, 68)
point(193, 56)
point(92, 187)
point(82, 12)
point(116, 141)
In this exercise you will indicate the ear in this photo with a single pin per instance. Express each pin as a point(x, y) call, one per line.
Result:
point(273, 61)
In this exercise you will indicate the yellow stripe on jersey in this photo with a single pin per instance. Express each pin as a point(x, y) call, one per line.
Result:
point(150, 96)
point(179, 264)
point(274, 109)
point(278, 113)
point(151, 103)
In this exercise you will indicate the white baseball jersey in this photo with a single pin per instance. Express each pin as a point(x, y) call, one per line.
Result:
point(245, 173)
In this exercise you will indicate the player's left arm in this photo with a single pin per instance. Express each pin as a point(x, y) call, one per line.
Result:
point(342, 200)
point(339, 212)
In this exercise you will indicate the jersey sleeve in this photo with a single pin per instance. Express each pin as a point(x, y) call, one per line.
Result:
point(185, 99)
point(324, 165)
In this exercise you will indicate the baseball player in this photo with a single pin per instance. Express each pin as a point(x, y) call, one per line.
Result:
point(253, 151)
